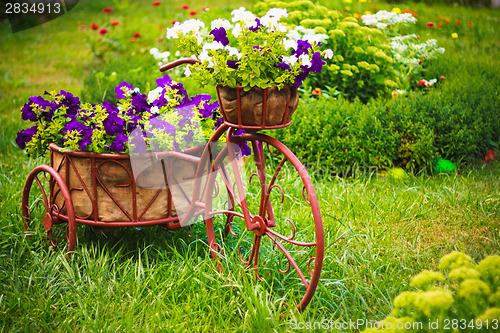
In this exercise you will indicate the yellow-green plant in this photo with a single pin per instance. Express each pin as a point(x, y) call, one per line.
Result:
point(462, 297)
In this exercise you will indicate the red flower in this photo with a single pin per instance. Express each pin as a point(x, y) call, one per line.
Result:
point(442, 77)
point(185, 6)
point(160, 27)
point(421, 82)
point(174, 22)
point(458, 22)
point(193, 12)
point(490, 156)
point(205, 9)
point(94, 26)
point(107, 10)
point(470, 23)
point(115, 23)
point(82, 27)
point(103, 31)
point(160, 39)
point(136, 34)
point(316, 92)
point(430, 24)
point(132, 39)
point(420, 62)
point(156, 3)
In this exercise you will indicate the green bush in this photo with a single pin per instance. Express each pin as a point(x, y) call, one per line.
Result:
point(458, 121)
point(466, 300)
point(352, 134)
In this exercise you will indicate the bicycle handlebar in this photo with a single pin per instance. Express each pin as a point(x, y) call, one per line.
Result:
point(178, 62)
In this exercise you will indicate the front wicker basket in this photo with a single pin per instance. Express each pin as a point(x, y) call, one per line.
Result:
point(258, 108)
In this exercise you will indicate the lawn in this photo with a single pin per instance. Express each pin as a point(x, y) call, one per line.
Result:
point(379, 230)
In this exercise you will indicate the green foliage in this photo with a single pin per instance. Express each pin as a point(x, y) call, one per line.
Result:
point(466, 304)
point(139, 70)
point(340, 133)
point(457, 121)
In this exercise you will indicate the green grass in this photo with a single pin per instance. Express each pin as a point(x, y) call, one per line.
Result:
point(378, 231)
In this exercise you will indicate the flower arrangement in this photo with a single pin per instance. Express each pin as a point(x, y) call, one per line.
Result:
point(250, 51)
point(166, 118)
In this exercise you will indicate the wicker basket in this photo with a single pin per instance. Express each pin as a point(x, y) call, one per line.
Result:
point(103, 187)
point(257, 108)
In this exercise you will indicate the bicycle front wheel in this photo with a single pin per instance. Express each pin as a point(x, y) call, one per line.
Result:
point(276, 218)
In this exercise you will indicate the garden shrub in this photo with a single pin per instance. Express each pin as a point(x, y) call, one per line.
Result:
point(462, 297)
point(347, 135)
point(457, 121)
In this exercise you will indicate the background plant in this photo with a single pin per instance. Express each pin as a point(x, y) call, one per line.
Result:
point(461, 296)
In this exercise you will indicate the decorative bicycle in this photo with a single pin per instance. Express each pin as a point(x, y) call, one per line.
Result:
point(271, 206)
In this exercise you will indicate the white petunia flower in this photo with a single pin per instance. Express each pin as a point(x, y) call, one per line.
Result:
point(328, 54)
point(204, 56)
point(305, 60)
point(221, 23)
point(291, 60)
point(233, 51)
point(154, 110)
point(244, 15)
point(315, 38)
point(175, 31)
point(277, 12)
point(290, 44)
point(154, 94)
point(294, 35)
point(213, 46)
point(187, 71)
point(237, 30)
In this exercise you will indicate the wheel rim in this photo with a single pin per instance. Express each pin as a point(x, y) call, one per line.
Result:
point(40, 213)
point(281, 210)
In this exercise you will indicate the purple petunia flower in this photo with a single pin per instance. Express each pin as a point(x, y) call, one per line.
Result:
point(118, 144)
point(283, 66)
point(182, 92)
point(245, 149)
point(140, 103)
point(71, 102)
point(164, 81)
point(109, 107)
point(302, 48)
point(220, 35)
point(158, 123)
point(208, 109)
point(301, 77)
point(122, 89)
point(113, 124)
point(256, 27)
point(27, 113)
point(85, 140)
point(234, 64)
point(25, 136)
point(317, 63)
point(189, 137)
